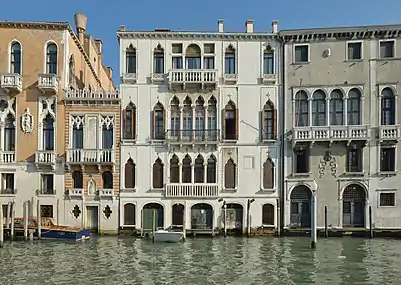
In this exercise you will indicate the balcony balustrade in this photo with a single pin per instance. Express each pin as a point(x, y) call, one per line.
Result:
point(129, 78)
point(191, 190)
point(90, 156)
point(193, 136)
point(389, 133)
point(7, 157)
point(45, 157)
point(48, 83)
point(74, 192)
point(192, 76)
point(8, 192)
point(11, 82)
point(106, 193)
point(85, 96)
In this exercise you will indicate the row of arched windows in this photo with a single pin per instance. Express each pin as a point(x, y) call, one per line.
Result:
point(16, 58)
point(78, 180)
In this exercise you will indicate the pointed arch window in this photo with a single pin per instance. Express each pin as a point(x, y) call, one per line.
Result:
point(212, 119)
point(336, 108)
point(129, 174)
point(174, 170)
point(9, 133)
point(230, 121)
point(193, 57)
point(268, 174)
point(187, 119)
point(230, 174)
point(200, 119)
point(268, 61)
point(107, 179)
point(354, 107)
point(211, 170)
point(129, 122)
point(158, 122)
point(130, 59)
point(199, 170)
point(301, 109)
point(186, 169)
point(158, 60)
point(175, 118)
point(51, 59)
point(77, 180)
point(48, 133)
point(387, 107)
point(269, 118)
point(319, 108)
point(229, 60)
point(15, 58)
point(158, 174)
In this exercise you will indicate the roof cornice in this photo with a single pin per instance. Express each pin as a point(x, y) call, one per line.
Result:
point(34, 25)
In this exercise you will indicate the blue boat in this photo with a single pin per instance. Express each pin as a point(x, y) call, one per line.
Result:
point(52, 231)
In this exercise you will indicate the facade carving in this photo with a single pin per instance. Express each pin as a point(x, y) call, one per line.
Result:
point(27, 121)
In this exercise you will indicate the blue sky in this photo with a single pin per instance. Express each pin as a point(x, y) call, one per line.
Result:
point(105, 17)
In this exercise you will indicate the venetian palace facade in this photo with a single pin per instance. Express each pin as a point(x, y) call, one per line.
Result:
point(199, 128)
point(59, 124)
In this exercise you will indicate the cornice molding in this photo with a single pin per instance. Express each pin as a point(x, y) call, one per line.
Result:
point(35, 25)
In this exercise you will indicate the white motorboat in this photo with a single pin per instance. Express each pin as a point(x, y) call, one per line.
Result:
point(168, 236)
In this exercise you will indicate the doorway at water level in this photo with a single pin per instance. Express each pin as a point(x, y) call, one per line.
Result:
point(92, 218)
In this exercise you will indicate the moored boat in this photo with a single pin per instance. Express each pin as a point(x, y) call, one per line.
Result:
point(163, 235)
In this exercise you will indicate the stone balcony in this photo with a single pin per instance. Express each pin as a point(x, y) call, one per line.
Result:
point(82, 96)
point(74, 192)
point(191, 190)
point(389, 133)
point(7, 157)
point(188, 137)
point(158, 78)
point(192, 77)
point(48, 83)
point(106, 193)
point(90, 156)
point(45, 158)
point(230, 78)
point(269, 78)
point(331, 134)
point(11, 82)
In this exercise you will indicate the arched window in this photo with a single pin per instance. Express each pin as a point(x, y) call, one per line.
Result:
point(230, 121)
point(336, 108)
point(158, 122)
point(187, 119)
point(230, 174)
point(354, 107)
point(199, 170)
point(200, 119)
point(107, 178)
point(129, 174)
point(268, 174)
point(175, 118)
point(319, 108)
point(130, 59)
point(158, 60)
point(211, 119)
point(158, 174)
point(51, 59)
point(268, 61)
point(269, 129)
point(211, 169)
point(77, 180)
point(48, 133)
point(387, 107)
point(301, 109)
point(15, 58)
point(174, 170)
point(129, 118)
point(186, 169)
point(193, 57)
point(9, 133)
point(229, 60)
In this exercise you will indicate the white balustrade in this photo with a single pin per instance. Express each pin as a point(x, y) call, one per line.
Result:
point(91, 95)
point(76, 192)
point(325, 133)
point(7, 156)
point(48, 82)
point(191, 190)
point(192, 76)
point(389, 132)
point(11, 81)
point(90, 156)
point(106, 192)
point(45, 157)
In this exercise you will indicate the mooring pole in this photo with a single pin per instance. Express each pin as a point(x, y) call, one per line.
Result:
point(39, 220)
point(313, 222)
point(225, 218)
point(278, 218)
point(12, 220)
point(153, 225)
point(1, 228)
point(26, 220)
point(370, 222)
point(326, 230)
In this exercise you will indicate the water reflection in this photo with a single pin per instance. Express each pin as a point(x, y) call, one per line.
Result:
point(202, 261)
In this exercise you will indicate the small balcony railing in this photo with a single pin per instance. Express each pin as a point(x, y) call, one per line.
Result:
point(193, 136)
point(45, 192)
point(8, 192)
point(91, 156)
point(11, 82)
point(74, 192)
point(201, 76)
point(7, 157)
point(106, 192)
point(198, 190)
point(45, 157)
point(48, 83)
point(82, 95)
point(331, 133)
point(389, 133)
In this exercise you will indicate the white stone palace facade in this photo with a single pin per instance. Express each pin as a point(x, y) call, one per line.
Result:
point(199, 128)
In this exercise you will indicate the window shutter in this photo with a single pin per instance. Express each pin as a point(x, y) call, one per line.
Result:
point(236, 123)
point(275, 123)
point(124, 123)
point(223, 115)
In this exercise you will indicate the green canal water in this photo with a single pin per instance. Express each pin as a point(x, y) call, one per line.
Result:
point(109, 260)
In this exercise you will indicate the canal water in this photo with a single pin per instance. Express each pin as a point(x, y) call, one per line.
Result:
point(109, 260)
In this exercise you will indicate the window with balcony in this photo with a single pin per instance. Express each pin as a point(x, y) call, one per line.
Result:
point(301, 161)
point(211, 170)
point(177, 62)
point(199, 170)
point(48, 133)
point(208, 62)
point(354, 51)
point(319, 108)
point(129, 174)
point(387, 159)
point(174, 170)
point(268, 174)
point(269, 118)
point(230, 121)
point(107, 179)
point(175, 118)
point(387, 199)
point(301, 53)
point(77, 136)
point(230, 174)
point(47, 184)
point(387, 49)
point(301, 109)
point(186, 169)
point(387, 107)
point(199, 118)
point(107, 136)
point(130, 59)
point(46, 211)
point(129, 122)
point(193, 57)
point(354, 107)
point(268, 214)
point(229, 60)
point(51, 59)
point(9, 133)
point(8, 183)
point(158, 121)
point(187, 119)
point(336, 108)
point(77, 179)
point(158, 174)
point(354, 159)
point(158, 60)
point(15, 58)
point(268, 61)
point(211, 118)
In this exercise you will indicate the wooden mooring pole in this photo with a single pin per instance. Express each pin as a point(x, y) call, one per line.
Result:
point(39, 220)
point(12, 220)
point(313, 222)
point(1, 228)
point(26, 220)
point(8, 215)
point(225, 218)
point(326, 229)
point(370, 222)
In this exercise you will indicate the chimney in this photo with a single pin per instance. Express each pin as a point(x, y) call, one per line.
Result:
point(220, 24)
point(80, 24)
point(110, 70)
point(249, 26)
point(99, 45)
point(123, 28)
point(275, 27)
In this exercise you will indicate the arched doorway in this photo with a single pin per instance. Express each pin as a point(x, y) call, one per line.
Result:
point(354, 197)
point(129, 215)
point(201, 217)
point(234, 217)
point(152, 211)
point(178, 215)
point(301, 207)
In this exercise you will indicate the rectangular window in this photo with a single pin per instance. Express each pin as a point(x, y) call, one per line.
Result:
point(354, 160)
point(159, 124)
point(177, 62)
point(268, 125)
point(386, 49)
point(301, 53)
point(107, 138)
point(193, 62)
point(129, 123)
point(208, 49)
point(387, 199)
point(301, 161)
point(47, 184)
point(268, 63)
point(208, 62)
point(77, 137)
point(158, 62)
point(387, 159)
point(229, 63)
point(354, 51)
point(8, 185)
point(46, 211)
point(177, 48)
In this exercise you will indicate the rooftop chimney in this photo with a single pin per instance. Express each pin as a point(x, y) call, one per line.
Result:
point(99, 45)
point(110, 70)
point(80, 24)
point(275, 27)
point(123, 28)
point(220, 24)
point(249, 26)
